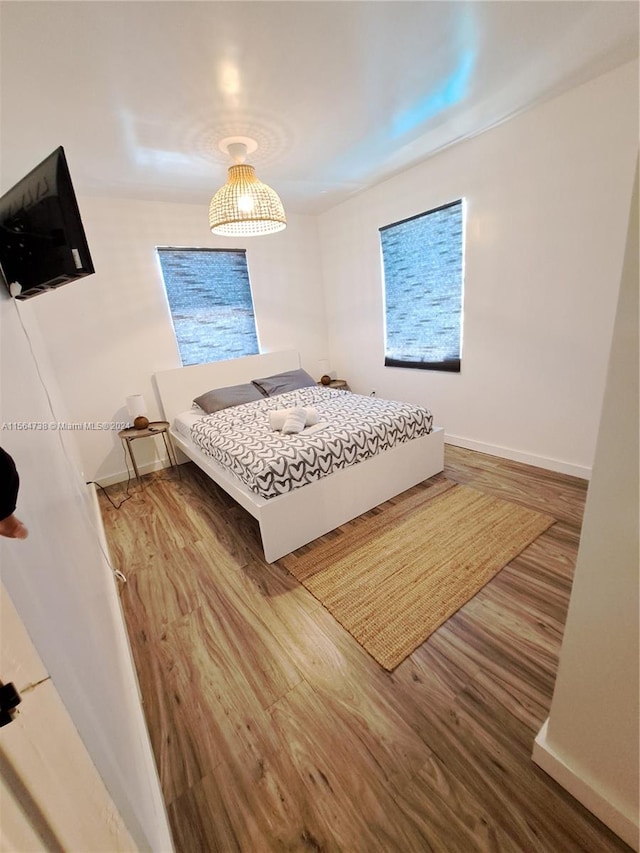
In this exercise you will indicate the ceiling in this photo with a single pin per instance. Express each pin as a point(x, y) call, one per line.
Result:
point(339, 95)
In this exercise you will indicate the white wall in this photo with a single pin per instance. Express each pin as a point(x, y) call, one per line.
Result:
point(591, 741)
point(547, 198)
point(107, 334)
point(62, 587)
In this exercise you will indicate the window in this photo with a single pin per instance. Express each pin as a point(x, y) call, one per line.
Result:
point(210, 301)
point(423, 273)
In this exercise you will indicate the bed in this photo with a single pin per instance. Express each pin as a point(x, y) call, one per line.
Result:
point(290, 520)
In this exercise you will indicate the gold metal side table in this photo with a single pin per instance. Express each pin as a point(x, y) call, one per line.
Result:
point(340, 384)
point(129, 435)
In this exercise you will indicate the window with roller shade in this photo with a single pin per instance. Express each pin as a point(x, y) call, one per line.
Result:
point(211, 305)
point(422, 260)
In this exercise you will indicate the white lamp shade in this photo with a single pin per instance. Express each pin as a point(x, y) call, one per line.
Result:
point(136, 406)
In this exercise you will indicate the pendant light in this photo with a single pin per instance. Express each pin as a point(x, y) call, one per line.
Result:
point(245, 206)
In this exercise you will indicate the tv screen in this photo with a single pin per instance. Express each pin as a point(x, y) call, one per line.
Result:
point(42, 240)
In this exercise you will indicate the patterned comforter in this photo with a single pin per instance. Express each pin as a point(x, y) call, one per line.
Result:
point(271, 463)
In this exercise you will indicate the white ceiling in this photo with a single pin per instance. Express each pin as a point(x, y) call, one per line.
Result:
point(339, 95)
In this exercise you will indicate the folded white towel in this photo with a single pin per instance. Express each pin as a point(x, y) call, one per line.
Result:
point(294, 422)
point(312, 416)
point(277, 417)
point(315, 427)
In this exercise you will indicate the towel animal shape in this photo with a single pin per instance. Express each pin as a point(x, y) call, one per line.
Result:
point(294, 422)
point(292, 418)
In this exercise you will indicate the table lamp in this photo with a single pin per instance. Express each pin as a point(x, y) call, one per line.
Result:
point(137, 411)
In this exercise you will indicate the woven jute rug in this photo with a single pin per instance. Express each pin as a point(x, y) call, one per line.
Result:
point(393, 578)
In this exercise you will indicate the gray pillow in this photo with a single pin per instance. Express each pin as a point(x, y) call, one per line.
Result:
point(224, 398)
point(279, 383)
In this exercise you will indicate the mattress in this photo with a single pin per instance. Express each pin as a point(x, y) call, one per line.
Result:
point(185, 421)
point(352, 428)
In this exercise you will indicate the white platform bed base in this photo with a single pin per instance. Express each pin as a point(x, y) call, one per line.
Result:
point(291, 520)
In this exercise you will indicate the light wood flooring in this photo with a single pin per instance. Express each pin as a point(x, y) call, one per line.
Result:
point(273, 730)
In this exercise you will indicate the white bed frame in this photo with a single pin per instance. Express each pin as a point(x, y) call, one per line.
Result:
point(291, 520)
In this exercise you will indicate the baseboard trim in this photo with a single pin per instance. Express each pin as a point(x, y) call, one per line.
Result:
point(557, 465)
point(606, 811)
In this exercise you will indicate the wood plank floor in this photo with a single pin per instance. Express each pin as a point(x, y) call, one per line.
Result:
point(273, 730)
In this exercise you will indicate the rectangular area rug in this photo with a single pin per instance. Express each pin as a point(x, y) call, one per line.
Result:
point(393, 578)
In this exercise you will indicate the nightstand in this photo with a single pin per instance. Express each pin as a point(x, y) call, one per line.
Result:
point(341, 384)
point(129, 435)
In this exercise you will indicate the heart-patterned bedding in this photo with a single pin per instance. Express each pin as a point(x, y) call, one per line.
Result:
point(271, 463)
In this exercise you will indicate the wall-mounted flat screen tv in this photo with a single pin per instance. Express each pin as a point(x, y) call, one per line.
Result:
point(42, 239)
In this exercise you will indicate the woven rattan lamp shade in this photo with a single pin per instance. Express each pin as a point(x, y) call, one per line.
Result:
point(245, 206)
